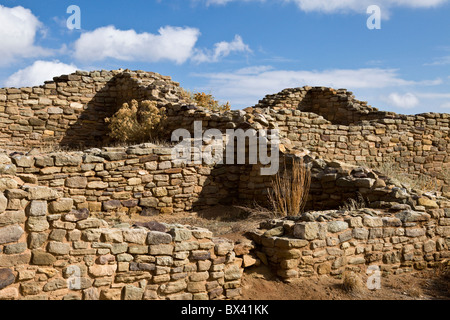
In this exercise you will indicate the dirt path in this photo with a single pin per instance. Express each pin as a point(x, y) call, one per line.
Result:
point(260, 284)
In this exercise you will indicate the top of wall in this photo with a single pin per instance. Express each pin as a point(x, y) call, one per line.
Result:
point(339, 106)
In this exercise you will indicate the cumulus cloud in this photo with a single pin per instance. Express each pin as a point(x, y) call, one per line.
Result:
point(245, 87)
point(39, 72)
point(171, 43)
point(404, 101)
point(344, 6)
point(360, 6)
point(18, 30)
point(221, 50)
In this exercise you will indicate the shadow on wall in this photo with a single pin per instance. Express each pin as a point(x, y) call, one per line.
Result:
point(339, 107)
point(90, 129)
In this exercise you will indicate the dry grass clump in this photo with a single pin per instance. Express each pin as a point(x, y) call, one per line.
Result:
point(354, 204)
point(205, 100)
point(443, 274)
point(136, 121)
point(351, 282)
point(290, 190)
point(393, 170)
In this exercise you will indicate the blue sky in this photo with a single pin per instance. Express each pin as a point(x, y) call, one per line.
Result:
point(241, 50)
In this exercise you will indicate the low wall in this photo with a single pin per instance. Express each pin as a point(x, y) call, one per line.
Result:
point(331, 242)
point(140, 179)
point(49, 250)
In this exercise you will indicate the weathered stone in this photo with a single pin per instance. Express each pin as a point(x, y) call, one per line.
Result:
point(360, 233)
point(37, 224)
point(55, 285)
point(9, 169)
point(97, 185)
point(337, 226)
point(91, 223)
point(3, 203)
point(30, 288)
point(156, 237)
point(138, 236)
point(222, 246)
point(180, 234)
point(76, 215)
point(36, 240)
point(42, 258)
point(61, 205)
point(133, 293)
point(102, 270)
point(112, 235)
point(427, 203)
point(152, 225)
point(76, 182)
point(42, 193)
point(6, 278)
point(37, 208)
point(306, 230)
point(12, 217)
point(111, 205)
point(7, 184)
point(275, 232)
point(15, 248)
point(58, 248)
point(176, 286)
point(10, 293)
point(149, 202)
point(414, 232)
point(23, 161)
point(372, 222)
point(11, 233)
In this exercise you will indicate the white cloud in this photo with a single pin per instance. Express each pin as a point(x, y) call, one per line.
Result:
point(404, 101)
point(360, 6)
point(221, 50)
point(445, 105)
point(439, 61)
point(39, 72)
point(18, 29)
point(345, 6)
point(171, 43)
point(246, 86)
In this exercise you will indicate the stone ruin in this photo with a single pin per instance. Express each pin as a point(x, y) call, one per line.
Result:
point(53, 245)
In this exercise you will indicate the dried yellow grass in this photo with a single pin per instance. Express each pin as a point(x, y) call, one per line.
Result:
point(290, 190)
point(136, 121)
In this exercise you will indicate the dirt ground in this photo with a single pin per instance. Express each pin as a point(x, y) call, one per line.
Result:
point(259, 283)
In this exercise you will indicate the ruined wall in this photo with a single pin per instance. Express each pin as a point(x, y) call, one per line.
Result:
point(50, 250)
point(329, 243)
point(419, 144)
point(70, 110)
point(141, 179)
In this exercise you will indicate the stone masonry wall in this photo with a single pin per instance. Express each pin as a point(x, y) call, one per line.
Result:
point(50, 250)
point(70, 110)
point(418, 144)
point(333, 242)
point(141, 179)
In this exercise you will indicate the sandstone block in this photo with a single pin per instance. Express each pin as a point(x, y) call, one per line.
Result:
point(11, 233)
point(61, 205)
